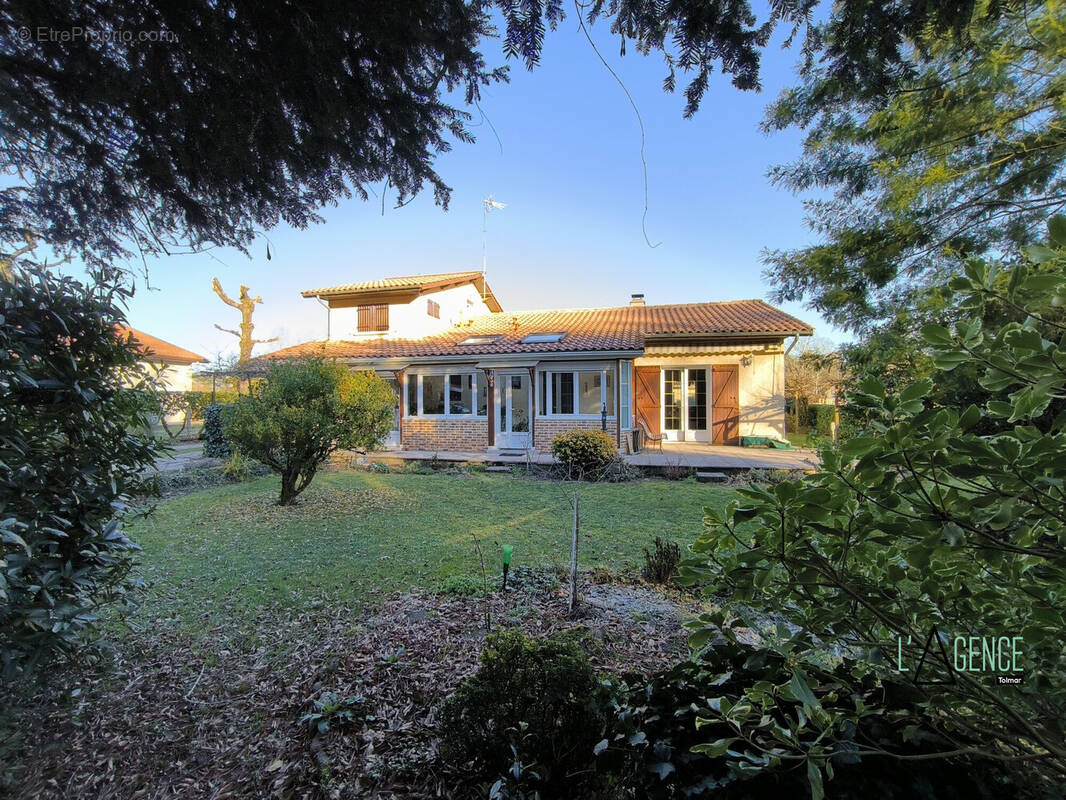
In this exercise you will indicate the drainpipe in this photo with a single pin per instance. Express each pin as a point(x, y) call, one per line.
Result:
point(325, 305)
point(788, 350)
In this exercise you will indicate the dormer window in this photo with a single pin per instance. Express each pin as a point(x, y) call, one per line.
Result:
point(544, 338)
point(433, 309)
point(481, 340)
point(373, 319)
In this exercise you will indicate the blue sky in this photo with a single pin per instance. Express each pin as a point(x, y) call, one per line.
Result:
point(567, 164)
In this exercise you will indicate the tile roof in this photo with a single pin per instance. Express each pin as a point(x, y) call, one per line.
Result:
point(402, 282)
point(587, 330)
point(157, 349)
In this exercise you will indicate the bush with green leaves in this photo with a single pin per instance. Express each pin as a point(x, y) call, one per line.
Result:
point(921, 524)
point(667, 742)
point(584, 454)
point(216, 445)
point(74, 450)
point(304, 410)
point(533, 701)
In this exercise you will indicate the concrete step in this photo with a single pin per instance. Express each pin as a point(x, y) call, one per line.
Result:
point(711, 477)
point(498, 468)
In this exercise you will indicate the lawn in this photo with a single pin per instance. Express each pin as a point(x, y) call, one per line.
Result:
point(358, 536)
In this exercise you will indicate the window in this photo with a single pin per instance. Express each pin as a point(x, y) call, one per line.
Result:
point(481, 340)
point(697, 399)
point(589, 390)
point(433, 394)
point(433, 309)
point(373, 318)
point(672, 399)
point(412, 395)
point(626, 404)
point(543, 338)
point(576, 392)
point(453, 394)
point(562, 393)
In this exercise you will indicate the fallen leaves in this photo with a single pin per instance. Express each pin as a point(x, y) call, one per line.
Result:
point(215, 713)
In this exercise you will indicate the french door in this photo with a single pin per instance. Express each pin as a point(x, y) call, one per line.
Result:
point(513, 405)
point(684, 406)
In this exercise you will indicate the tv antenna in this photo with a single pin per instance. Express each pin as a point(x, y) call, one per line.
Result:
point(487, 205)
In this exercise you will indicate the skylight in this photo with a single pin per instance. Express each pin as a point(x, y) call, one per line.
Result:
point(543, 338)
point(481, 340)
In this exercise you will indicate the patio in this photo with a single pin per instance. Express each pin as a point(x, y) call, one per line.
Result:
point(674, 454)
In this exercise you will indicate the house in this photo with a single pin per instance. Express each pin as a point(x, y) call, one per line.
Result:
point(472, 377)
point(171, 363)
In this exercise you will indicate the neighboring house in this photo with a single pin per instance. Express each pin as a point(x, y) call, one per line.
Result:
point(473, 377)
point(171, 363)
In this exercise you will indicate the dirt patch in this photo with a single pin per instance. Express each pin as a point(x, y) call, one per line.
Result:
point(218, 714)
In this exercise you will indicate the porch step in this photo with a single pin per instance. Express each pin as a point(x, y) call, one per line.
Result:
point(512, 453)
point(498, 468)
point(711, 477)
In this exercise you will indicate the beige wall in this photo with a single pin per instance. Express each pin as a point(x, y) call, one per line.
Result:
point(761, 382)
point(406, 320)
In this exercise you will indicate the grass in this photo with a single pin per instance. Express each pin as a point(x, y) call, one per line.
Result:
point(358, 535)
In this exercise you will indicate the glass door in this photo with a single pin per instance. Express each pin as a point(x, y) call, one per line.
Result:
point(684, 406)
point(513, 405)
point(392, 438)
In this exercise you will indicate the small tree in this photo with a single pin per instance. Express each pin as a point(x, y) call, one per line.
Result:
point(303, 411)
point(74, 449)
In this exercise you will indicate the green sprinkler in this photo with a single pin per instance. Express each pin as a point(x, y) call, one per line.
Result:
point(508, 549)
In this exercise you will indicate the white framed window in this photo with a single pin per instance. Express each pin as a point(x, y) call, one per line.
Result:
point(447, 394)
point(625, 401)
point(576, 392)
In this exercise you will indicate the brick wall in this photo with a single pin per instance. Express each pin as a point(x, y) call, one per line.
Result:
point(547, 428)
point(421, 433)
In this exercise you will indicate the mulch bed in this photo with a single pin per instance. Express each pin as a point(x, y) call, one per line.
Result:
point(218, 715)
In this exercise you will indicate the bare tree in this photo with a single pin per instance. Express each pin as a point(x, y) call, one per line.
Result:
point(246, 306)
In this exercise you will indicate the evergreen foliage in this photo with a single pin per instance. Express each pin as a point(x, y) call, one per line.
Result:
point(962, 157)
point(74, 451)
point(165, 126)
point(923, 522)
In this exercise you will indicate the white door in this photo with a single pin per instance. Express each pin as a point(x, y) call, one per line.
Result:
point(513, 404)
point(685, 405)
point(392, 439)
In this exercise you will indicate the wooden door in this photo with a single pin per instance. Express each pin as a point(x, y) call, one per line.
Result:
point(647, 397)
point(725, 405)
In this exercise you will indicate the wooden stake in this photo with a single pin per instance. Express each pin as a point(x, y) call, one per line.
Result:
point(572, 605)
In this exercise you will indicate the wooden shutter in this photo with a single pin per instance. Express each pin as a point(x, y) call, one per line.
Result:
point(725, 406)
point(648, 398)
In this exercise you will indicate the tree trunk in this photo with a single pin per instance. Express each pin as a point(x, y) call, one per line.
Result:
point(288, 487)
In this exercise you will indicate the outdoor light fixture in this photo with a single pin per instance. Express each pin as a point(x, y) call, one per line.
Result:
point(508, 549)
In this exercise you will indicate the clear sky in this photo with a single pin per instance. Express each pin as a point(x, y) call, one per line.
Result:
point(567, 163)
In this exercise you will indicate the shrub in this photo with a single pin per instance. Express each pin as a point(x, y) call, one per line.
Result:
point(539, 696)
point(584, 453)
point(658, 744)
point(462, 585)
point(237, 468)
point(75, 450)
point(660, 563)
point(216, 445)
point(820, 419)
point(305, 410)
point(924, 524)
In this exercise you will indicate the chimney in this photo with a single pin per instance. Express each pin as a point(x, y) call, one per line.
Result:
point(636, 300)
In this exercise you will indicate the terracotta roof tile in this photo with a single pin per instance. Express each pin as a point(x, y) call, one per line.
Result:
point(587, 330)
point(158, 349)
point(401, 282)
